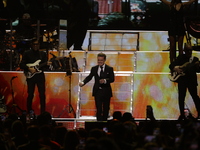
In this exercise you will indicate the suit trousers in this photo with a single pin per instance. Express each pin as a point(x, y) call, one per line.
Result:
point(39, 80)
point(102, 102)
point(182, 89)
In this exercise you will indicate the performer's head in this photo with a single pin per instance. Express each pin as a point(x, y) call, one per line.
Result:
point(188, 49)
point(35, 45)
point(175, 1)
point(26, 19)
point(101, 58)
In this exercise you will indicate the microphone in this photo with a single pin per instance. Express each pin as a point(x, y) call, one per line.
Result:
point(13, 77)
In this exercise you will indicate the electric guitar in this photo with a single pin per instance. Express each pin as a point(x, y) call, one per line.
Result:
point(175, 75)
point(36, 66)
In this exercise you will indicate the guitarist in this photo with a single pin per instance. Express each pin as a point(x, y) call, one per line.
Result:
point(38, 79)
point(189, 80)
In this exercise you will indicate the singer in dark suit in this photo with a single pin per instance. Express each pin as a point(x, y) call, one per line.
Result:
point(102, 92)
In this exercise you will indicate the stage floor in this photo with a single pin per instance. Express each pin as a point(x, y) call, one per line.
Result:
point(132, 91)
point(141, 77)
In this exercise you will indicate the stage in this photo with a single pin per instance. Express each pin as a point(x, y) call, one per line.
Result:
point(132, 93)
point(140, 62)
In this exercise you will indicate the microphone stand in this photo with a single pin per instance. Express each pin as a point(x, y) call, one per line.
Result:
point(14, 105)
point(11, 47)
point(69, 73)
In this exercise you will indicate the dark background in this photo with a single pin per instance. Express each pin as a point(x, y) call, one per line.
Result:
point(155, 16)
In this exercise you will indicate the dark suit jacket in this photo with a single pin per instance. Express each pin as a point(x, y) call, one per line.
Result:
point(108, 75)
point(190, 72)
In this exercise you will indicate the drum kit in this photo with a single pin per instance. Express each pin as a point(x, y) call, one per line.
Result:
point(16, 41)
point(192, 25)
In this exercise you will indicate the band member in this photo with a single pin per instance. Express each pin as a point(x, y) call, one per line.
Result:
point(187, 66)
point(24, 33)
point(77, 23)
point(102, 92)
point(33, 63)
point(176, 30)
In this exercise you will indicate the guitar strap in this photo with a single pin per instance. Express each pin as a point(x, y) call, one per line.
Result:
point(40, 55)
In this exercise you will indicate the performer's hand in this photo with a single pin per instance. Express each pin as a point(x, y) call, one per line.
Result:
point(101, 81)
point(32, 70)
point(178, 69)
point(197, 63)
point(49, 63)
point(81, 84)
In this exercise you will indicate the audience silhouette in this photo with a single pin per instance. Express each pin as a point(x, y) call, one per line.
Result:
point(46, 136)
point(122, 134)
point(33, 133)
point(18, 133)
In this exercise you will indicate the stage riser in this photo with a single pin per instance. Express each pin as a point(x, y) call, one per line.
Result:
point(132, 92)
point(123, 40)
point(142, 77)
point(139, 61)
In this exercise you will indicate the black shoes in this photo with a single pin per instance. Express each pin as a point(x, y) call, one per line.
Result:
point(181, 117)
point(31, 114)
point(78, 49)
point(189, 117)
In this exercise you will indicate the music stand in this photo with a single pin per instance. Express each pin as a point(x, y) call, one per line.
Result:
point(69, 74)
point(14, 105)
